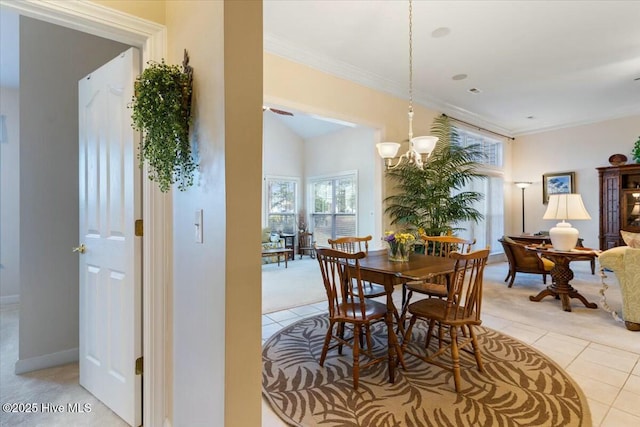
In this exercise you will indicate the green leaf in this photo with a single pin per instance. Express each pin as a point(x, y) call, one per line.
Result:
point(424, 198)
point(162, 111)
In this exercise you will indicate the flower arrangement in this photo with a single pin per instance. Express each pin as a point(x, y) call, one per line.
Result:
point(400, 245)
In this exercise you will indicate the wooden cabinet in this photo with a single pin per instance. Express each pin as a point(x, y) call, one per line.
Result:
point(619, 203)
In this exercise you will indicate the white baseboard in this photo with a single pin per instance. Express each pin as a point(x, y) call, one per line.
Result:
point(47, 361)
point(10, 299)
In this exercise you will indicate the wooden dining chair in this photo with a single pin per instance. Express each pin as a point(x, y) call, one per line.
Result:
point(460, 309)
point(436, 287)
point(343, 284)
point(354, 244)
point(306, 244)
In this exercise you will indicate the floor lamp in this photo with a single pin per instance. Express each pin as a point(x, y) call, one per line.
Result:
point(522, 185)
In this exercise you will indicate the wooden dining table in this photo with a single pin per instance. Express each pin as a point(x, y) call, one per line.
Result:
point(377, 268)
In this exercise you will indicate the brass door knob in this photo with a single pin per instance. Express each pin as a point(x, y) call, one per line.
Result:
point(80, 249)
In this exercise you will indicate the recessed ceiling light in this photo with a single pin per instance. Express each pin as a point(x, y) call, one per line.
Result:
point(440, 32)
point(459, 77)
point(474, 90)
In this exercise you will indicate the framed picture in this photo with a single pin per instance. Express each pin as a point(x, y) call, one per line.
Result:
point(557, 183)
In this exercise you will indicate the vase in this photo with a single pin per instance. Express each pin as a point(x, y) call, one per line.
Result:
point(399, 253)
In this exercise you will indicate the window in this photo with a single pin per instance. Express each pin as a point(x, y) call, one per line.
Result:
point(334, 206)
point(488, 231)
point(492, 148)
point(491, 228)
point(281, 203)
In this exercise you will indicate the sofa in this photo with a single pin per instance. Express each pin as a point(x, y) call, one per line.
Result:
point(271, 241)
point(624, 261)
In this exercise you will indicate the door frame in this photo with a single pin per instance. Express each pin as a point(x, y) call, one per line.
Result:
point(157, 255)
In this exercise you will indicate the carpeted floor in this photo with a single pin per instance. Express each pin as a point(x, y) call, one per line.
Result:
point(520, 386)
point(298, 284)
point(34, 397)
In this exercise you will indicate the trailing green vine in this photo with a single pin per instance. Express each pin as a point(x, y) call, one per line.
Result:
point(635, 153)
point(162, 111)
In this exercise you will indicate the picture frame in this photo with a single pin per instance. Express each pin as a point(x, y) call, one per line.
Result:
point(557, 183)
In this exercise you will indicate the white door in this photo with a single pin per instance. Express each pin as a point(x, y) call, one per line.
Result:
point(110, 260)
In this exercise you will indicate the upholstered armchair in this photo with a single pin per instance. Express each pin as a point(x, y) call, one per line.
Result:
point(624, 261)
point(271, 241)
point(522, 260)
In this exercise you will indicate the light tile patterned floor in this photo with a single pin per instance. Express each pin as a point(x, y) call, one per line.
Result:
point(609, 377)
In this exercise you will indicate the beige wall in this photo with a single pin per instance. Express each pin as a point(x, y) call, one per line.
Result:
point(579, 149)
point(297, 86)
point(152, 10)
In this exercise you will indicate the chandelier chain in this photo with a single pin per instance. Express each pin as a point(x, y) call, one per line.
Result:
point(410, 56)
point(419, 148)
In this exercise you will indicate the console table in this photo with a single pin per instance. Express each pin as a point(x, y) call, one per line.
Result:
point(562, 274)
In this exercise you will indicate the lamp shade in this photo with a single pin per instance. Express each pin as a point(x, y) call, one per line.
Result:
point(424, 144)
point(523, 184)
point(565, 206)
point(388, 150)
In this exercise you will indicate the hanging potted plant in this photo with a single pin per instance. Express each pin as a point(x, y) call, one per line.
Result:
point(636, 151)
point(162, 111)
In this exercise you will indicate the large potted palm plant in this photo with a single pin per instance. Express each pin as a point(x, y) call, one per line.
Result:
point(434, 198)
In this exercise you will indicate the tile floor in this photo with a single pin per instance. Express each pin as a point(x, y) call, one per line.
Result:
point(609, 377)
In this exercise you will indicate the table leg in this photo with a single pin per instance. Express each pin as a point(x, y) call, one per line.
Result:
point(391, 339)
point(286, 257)
point(560, 288)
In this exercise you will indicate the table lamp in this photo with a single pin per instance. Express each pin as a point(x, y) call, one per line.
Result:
point(565, 206)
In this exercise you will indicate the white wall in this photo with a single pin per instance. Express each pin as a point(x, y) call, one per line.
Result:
point(285, 153)
point(578, 149)
point(10, 197)
point(347, 150)
point(216, 300)
point(283, 149)
point(52, 60)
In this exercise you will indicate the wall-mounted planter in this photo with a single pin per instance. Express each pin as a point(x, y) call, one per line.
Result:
point(162, 111)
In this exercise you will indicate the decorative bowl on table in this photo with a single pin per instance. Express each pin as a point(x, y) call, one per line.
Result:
point(618, 159)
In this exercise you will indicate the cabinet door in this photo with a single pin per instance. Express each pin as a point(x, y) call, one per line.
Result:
point(631, 210)
point(610, 204)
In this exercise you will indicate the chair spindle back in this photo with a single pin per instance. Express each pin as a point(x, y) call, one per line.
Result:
point(342, 281)
point(464, 300)
point(351, 244)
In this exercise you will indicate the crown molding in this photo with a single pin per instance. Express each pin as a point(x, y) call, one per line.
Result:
point(90, 18)
point(304, 56)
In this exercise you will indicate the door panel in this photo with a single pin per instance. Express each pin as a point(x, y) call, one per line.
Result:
point(110, 268)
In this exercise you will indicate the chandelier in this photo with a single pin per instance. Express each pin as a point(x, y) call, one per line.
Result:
point(420, 147)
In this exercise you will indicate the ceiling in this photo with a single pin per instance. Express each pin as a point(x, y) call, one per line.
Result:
point(536, 65)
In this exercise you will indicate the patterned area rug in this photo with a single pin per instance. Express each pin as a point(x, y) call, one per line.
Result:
point(520, 386)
